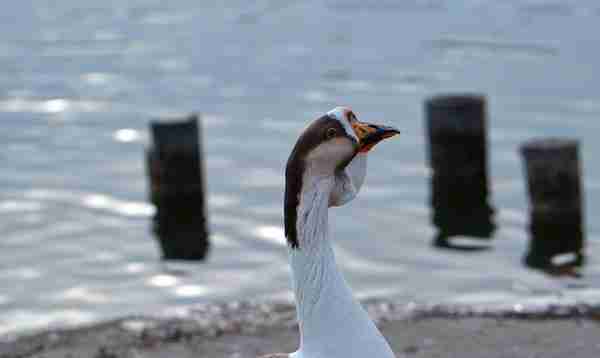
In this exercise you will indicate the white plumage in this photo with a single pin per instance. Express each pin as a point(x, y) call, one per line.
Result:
point(328, 170)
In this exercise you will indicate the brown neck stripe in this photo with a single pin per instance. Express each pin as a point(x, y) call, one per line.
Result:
point(313, 135)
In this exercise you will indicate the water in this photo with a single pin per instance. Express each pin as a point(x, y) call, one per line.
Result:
point(79, 81)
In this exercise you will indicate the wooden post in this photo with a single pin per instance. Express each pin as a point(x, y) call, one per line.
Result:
point(175, 170)
point(556, 211)
point(456, 128)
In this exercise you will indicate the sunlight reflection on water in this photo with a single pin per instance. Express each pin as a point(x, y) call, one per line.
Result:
point(163, 281)
point(191, 291)
point(273, 234)
point(56, 105)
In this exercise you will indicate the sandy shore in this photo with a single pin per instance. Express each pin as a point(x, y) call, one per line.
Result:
point(247, 330)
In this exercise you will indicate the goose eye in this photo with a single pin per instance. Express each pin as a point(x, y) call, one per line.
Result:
point(351, 116)
point(331, 132)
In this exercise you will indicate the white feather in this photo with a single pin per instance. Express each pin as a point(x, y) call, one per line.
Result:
point(332, 323)
point(340, 113)
point(349, 181)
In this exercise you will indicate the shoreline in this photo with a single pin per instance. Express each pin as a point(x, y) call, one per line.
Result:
point(247, 329)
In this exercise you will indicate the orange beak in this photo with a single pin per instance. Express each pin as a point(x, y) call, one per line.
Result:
point(370, 134)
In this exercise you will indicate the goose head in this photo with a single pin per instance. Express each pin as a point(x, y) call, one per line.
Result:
point(334, 145)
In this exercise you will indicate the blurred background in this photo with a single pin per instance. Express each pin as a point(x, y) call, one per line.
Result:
point(80, 80)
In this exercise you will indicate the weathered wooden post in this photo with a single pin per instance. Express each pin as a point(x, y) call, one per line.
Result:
point(556, 211)
point(175, 170)
point(456, 128)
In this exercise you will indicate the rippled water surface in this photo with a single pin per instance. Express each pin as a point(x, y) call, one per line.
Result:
point(79, 81)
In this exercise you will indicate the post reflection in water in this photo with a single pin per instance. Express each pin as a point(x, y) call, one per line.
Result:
point(456, 128)
point(461, 210)
point(553, 176)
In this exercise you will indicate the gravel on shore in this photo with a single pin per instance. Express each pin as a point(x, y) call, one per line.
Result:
point(243, 329)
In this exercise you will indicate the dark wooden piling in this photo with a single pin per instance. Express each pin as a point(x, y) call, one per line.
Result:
point(553, 175)
point(456, 128)
point(175, 170)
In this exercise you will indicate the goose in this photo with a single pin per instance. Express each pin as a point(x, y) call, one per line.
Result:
point(327, 168)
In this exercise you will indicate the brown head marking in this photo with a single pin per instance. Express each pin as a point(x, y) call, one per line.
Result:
point(319, 131)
